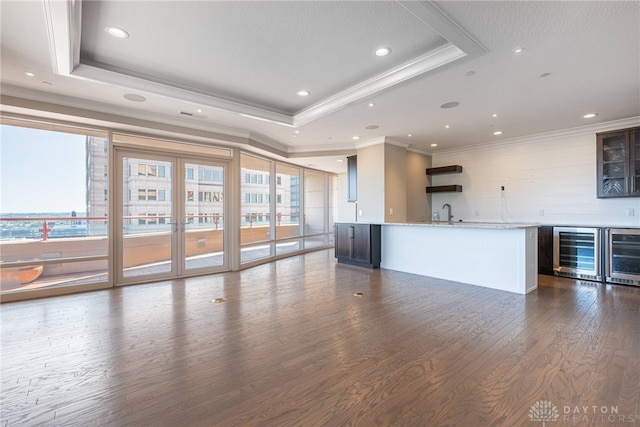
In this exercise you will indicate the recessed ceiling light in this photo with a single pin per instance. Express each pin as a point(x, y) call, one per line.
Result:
point(518, 50)
point(296, 131)
point(372, 127)
point(356, 137)
point(433, 145)
point(371, 104)
point(303, 93)
point(199, 110)
point(450, 104)
point(135, 98)
point(382, 51)
point(447, 126)
point(498, 132)
point(117, 32)
point(29, 74)
point(469, 73)
point(494, 115)
point(339, 160)
point(590, 115)
point(409, 135)
point(543, 75)
point(47, 83)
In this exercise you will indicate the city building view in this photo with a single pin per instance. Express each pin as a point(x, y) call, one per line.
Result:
point(163, 207)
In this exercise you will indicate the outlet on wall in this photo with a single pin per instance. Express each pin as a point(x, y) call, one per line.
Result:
point(541, 212)
point(360, 212)
point(390, 211)
point(630, 212)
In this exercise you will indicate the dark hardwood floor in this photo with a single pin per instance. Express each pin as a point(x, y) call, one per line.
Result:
point(293, 346)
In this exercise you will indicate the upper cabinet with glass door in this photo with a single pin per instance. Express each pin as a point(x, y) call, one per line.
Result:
point(619, 163)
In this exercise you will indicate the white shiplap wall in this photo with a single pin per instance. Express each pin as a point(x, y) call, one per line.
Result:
point(548, 178)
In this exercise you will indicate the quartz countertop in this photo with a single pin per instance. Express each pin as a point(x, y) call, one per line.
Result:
point(463, 224)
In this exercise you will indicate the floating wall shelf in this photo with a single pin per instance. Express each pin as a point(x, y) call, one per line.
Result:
point(444, 169)
point(441, 171)
point(445, 189)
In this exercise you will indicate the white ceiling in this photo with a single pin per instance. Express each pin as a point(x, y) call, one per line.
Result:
point(235, 67)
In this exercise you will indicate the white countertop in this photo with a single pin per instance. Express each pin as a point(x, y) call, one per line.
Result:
point(454, 224)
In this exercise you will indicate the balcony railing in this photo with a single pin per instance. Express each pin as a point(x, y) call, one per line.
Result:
point(57, 251)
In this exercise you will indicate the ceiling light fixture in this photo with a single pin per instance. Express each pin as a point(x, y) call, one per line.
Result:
point(303, 93)
point(498, 132)
point(494, 115)
point(452, 104)
point(447, 126)
point(590, 115)
point(543, 75)
point(409, 135)
point(117, 32)
point(340, 161)
point(518, 50)
point(433, 145)
point(356, 137)
point(382, 51)
point(372, 127)
point(469, 73)
point(29, 74)
point(371, 104)
point(135, 98)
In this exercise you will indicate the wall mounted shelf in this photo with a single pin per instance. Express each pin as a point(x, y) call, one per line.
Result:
point(444, 169)
point(445, 189)
point(441, 171)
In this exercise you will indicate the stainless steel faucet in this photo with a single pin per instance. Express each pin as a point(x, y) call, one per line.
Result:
point(447, 206)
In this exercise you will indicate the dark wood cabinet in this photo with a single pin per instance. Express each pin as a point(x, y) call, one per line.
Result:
point(545, 250)
point(358, 244)
point(619, 163)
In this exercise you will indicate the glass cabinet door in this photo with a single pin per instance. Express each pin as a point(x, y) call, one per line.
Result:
point(635, 162)
point(613, 167)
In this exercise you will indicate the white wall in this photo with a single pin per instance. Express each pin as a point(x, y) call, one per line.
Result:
point(548, 179)
point(371, 190)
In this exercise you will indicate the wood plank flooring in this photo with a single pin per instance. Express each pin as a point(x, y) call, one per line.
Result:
point(292, 346)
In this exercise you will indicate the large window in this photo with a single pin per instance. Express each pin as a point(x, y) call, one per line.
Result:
point(53, 208)
point(255, 235)
point(314, 209)
point(293, 220)
point(287, 208)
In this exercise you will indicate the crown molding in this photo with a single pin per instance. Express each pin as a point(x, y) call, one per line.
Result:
point(64, 33)
point(591, 129)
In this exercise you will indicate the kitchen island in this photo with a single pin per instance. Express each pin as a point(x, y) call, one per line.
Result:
point(494, 255)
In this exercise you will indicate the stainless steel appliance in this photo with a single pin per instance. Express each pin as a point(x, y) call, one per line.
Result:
point(623, 256)
point(577, 252)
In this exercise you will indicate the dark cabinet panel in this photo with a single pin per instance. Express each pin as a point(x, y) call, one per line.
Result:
point(618, 163)
point(545, 250)
point(358, 244)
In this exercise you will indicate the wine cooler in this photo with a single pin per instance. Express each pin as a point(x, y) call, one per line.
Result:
point(623, 256)
point(577, 252)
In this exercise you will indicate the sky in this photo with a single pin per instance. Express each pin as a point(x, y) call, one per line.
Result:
point(41, 171)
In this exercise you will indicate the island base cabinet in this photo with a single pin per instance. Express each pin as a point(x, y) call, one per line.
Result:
point(358, 244)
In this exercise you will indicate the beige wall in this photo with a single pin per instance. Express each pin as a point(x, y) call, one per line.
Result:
point(391, 186)
point(418, 203)
point(395, 183)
